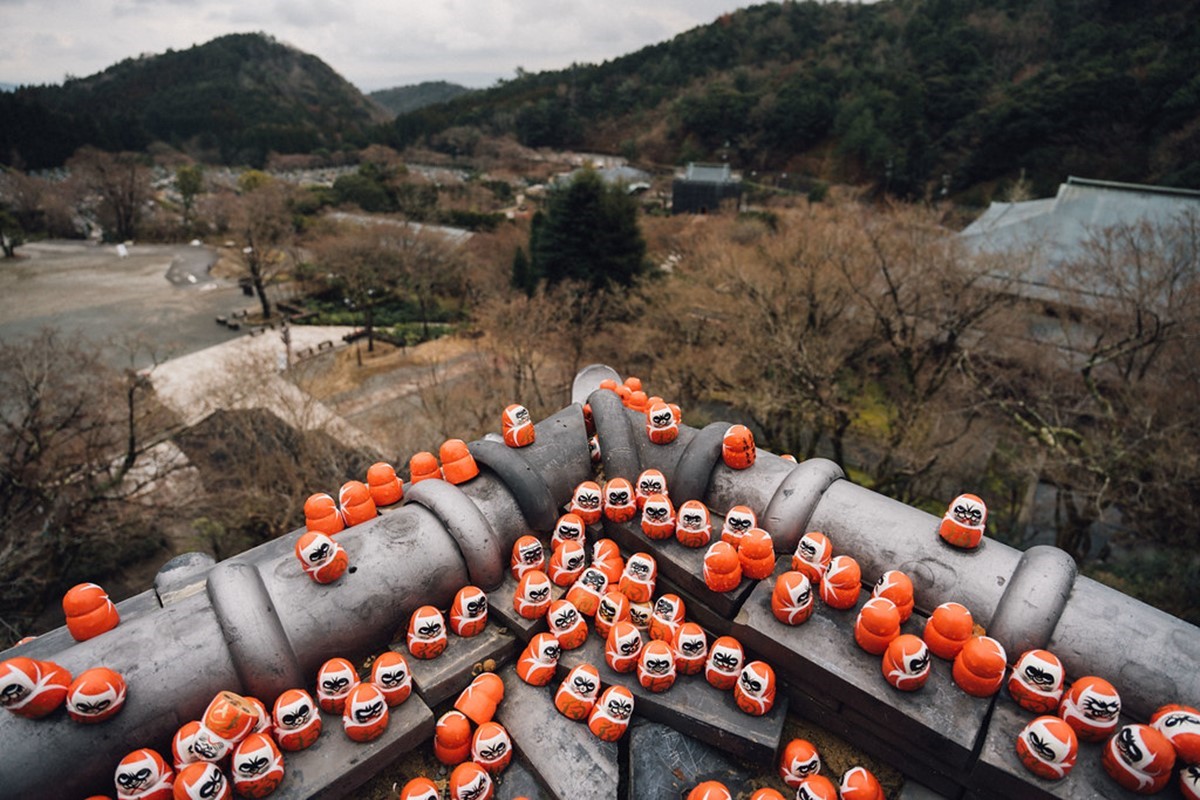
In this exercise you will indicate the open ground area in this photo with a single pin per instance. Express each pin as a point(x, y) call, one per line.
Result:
point(159, 298)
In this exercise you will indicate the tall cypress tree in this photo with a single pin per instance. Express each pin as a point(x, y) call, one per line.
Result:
point(589, 233)
point(523, 276)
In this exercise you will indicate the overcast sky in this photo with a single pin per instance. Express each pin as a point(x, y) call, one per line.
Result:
point(375, 44)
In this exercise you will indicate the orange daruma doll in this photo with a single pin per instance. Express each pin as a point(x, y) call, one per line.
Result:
point(527, 554)
point(623, 646)
point(89, 611)
point(755, 689)
point(792, 598)
point(539, 659)
point(658, 517)
point(567, 624)
point(469, 612)
point(965, 522)
point(800, 760)
point(202, 781)
point(391, 674)
point(619, 503)
point(96, 694)
point(638, 579)
point(517, 426)
point(32, 689)
point(357, 504)
point(656, 666)
point(297, 722)
point(610, 716)
point(722, 567)
point(532, 597)
point(256, 766)
point(144, 775)
point(386, 488)
point(335, 679)
point(651, 481)
point(365, 715)
point(1047, 747)
point(321, 558)
point(737, 447)
point(693, 524)
point(586, 502)
point(738, 521)
point(812, 556)
point(576, 695)
point(426, 636)
point(691, 649)
point(1036, 682)
point(725, 660)
point(491, 747)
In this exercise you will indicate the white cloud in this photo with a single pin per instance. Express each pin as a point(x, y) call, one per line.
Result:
point(372, 43)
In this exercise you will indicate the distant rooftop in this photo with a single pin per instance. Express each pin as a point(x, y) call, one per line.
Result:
point(1058, 228)
point(453, 235)
point(630, 176)
point(708, 173)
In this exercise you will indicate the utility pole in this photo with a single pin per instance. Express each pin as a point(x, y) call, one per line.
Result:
point(286, 333)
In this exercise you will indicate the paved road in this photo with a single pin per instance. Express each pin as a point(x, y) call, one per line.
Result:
point(159, 296)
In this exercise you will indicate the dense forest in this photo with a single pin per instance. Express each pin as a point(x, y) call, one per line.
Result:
point(910, 95)
point(232, 100)
point(914, 97)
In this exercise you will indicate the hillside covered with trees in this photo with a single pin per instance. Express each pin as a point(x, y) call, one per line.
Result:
point(909, 95)
point(403, 99)
point(232, 100)
point(914, 97)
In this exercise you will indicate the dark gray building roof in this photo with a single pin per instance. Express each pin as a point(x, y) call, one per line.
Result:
point(1055, 231)
point(708, 173)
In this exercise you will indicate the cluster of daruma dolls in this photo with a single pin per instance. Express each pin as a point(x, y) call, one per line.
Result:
point(466, 738)
point(1141, 758)
point(800, 768)
point(471, 742)
point(237, 745)
point(643, 634)
point(321, 556)
point(34, 689)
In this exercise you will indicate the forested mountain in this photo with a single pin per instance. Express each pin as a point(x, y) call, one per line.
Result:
point(909, 95)
point(403, 99)
point(233, 100)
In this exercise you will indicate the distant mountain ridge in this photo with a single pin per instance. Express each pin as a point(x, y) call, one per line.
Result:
point(233, 100)
point(917, 97)
point(403, 99)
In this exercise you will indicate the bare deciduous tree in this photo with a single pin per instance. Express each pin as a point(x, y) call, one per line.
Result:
point(362, 266)
point(79, 455)
point(1105, 393)
point(431, 266)
point(520, 334)
point(263, 447)
point(262, 219)
point(800, 326)
point(120, 182)
point(929, 305)
point(823, 323)
point(413, 262)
